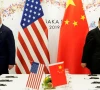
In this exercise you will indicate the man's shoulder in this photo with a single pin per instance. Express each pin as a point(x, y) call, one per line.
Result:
point(5, 28)
point(93, 30)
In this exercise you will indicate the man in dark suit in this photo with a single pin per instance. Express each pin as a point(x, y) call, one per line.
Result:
point(7, 49)
point(91, 51)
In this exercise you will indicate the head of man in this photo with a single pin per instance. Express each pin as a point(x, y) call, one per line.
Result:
point(99, 23)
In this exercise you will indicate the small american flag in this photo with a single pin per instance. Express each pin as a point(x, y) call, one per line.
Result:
point(35, 76)
point(32, 42)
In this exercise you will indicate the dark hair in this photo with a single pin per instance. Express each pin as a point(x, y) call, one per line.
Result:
point(99, 18)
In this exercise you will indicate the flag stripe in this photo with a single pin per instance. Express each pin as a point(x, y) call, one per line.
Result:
point(43, 45)
point(25, 48)
point(41, 42)
point(43, 26)
point(19, 65)
point(17, 69)
point(39, 48)
point(22, 61)
point(26, 60)
point(23, 43)
point(35, 48)
point(42, 33)
point(43, 37)
point(25, 38)
point(33, 45)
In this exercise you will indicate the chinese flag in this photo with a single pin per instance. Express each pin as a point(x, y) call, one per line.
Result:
point(58, 74)
point(72, 37)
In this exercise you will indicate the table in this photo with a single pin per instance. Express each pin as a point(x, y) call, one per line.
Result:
point(77, 82)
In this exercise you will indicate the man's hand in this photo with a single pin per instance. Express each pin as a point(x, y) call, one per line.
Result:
point(10, 67)
point(83, 65)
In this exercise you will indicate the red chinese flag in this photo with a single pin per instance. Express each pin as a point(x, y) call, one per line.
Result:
point(72, 37)
point(58, 74)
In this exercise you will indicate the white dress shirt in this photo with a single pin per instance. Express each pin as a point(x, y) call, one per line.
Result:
point(99, 28)
point(0, 25)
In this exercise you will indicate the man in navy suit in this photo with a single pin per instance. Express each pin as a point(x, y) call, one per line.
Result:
point(91, 51)
point(7, 49)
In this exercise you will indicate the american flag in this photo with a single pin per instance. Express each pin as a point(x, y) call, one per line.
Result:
point(32, 42)
point(35, 76)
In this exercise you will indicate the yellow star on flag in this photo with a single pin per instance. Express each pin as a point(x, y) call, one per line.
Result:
point(60, 67)
point(75, 23)
point(82, 17)
point(70, 2)
point(67, 22)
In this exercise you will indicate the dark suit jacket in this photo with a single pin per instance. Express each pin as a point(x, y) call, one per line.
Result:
point(91, 51)
point(7, 49)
